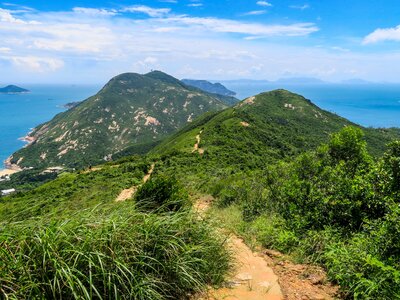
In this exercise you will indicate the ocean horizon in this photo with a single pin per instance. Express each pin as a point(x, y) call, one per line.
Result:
point(370, 105)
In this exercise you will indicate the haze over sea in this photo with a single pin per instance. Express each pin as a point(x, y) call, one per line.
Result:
point(376, 105)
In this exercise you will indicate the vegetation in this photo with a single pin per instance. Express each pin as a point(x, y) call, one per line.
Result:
point(69, 239)
point(128, 115)
point(335, 206)
point(214, 88)
point(284, 173)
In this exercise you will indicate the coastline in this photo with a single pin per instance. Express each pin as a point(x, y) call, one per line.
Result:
point(6, 172)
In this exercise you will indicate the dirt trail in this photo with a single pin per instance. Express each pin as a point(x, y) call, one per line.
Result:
point(196, 146)
point(92, 170)
point(128, 193)
point(252, 279)
point(266, 274)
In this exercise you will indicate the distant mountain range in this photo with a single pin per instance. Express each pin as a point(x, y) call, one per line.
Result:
point(128, 116)
point(13, 89)
point(299, 81)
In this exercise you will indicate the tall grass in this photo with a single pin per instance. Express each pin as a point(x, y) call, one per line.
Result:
point(122, 254)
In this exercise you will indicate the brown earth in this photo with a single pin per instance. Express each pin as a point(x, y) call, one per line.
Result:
point(128, 193)
point(267, 274)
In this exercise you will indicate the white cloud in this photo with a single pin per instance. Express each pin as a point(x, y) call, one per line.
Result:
point(301, 7)
point(255, 13)
point(100, 46)
point(251, 29)
point(263, 3)
point(7, 17)
point(382, 35)
point(36, 64)
point(168, 1)
point(95, 11)
point(195, 4)
point(152, 12)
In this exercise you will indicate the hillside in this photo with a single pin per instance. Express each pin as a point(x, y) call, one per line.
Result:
point(262, 129)
point(12, 89)
point(215, 88)
point(130, 115)
point(249, 163)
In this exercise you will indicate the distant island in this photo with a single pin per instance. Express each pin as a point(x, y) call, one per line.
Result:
point(214, 88)
point(13, 89)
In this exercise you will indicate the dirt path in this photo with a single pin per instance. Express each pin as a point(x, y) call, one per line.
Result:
point(128, 193)
point(252, 279)
point(196, 146)
point(267, 274)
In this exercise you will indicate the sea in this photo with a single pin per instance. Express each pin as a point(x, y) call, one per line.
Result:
point(20, 113)
point(370, 105)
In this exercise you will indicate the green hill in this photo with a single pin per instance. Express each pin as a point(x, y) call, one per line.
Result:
point(264, 128)
point(129, 115)
point(334, 206)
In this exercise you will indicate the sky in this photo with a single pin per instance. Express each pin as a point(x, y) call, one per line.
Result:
point(91, 41)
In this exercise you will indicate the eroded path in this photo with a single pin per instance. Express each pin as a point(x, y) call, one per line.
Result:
point(196, 147)
point(128, 193)
point(252, 278)
point(267, 274)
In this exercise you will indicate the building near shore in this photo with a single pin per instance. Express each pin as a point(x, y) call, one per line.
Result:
point(7, 192)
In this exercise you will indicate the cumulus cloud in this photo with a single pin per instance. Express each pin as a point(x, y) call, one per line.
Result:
point(263, 3)
point(7, 17)
point(382, 35)
point(101, 43)
point(36, 64)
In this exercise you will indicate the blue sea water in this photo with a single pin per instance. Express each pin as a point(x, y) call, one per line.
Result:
point(19, 113)
point(371, 105)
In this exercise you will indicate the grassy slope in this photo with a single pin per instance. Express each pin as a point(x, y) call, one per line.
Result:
point(70, 239)
point(273, 132)
point(232, 153)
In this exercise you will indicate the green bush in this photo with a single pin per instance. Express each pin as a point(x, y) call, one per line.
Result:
point(161, 194)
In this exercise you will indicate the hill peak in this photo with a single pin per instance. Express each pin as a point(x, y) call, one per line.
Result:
point(128, 116)
point(164, 77)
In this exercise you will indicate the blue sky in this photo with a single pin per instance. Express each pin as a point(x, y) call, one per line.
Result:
point(91, 41)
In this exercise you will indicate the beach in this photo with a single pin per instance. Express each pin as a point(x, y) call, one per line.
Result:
point(7, 172)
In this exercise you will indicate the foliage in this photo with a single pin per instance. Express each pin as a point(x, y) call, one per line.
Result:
point(335, 206)
point(127, 116)
point(161, 194)
point(70, 239)
point(122, 254)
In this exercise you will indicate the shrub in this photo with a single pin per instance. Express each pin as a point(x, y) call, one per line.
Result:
point(161, 193)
